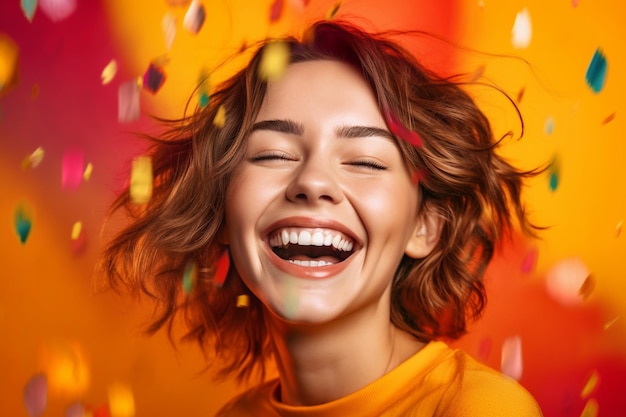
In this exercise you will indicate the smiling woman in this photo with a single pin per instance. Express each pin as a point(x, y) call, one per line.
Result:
point(359, 251)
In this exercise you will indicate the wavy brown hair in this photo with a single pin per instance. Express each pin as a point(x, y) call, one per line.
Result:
point(475, 192)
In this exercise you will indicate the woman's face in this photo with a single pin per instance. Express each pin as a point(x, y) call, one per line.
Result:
point(320, 211)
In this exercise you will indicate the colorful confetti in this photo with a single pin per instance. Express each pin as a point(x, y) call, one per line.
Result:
point(596, 71)
point(36, 395)
point(168, 26)
point(332, 12)
point(530, 260)
point(65, 367)
point(153, 78)
point(522, 30)
point(72, 168)
point(221, 268)
point(75, 410)
point(610, 324)
point(591, 409)
point(511, 361)
point(484, 349)
point(554, 173)
point(590, 385)
point(398, 129)
point(121, 401)
point(243, 301)
point(274, 61)
point(108, 73)
point(587, 287)
point(57, 10)
point(76, 229)
point(88, 171)
point(9, 60)
point(220, 117)
point(565, 280)
point(34, 159)
point(23, 221)
point(618, 228)
point(276, 11)
point(194, 18)
point(189, 277)
point(608, 119)
point(549, 125)
point(141, 180)
point(128, 102)
point(520, 95)
point(29, 7)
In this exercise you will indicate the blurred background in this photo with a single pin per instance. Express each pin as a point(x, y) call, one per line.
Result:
point(70, 108)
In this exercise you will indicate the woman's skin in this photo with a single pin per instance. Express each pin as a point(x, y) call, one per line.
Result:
point(322, 167)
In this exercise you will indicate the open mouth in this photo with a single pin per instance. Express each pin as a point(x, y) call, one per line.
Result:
point(311, 247)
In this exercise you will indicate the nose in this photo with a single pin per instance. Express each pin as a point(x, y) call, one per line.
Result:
point(314, 182)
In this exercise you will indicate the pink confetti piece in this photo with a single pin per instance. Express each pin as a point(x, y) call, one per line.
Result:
point(72, 168)
point(75, 410)
point(153, 78)
point(511, 363)
point(222, 267)
point(57, 10)
point(398, 129)
point(565, 280)
point(36, 395)
point(530, 260)
point(23, 222)
point(276, 11)
point(484, 348)
point(194, 18)
point(29, 7)
point(128, 102)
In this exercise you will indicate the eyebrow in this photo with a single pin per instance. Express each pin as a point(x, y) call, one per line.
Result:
point(294, 128)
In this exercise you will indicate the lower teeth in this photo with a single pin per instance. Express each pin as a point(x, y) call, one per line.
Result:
point(309, 263)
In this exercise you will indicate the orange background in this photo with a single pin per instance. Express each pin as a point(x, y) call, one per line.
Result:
point(53, 320)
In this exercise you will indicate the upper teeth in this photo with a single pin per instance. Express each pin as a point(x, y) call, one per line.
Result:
point(308, 238)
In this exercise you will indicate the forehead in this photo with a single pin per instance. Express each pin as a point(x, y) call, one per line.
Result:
point(320, 86)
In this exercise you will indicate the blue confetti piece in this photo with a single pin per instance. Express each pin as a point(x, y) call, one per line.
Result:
point(29, 7)
point(554, 174)
point(596, 72)
point(23, 223)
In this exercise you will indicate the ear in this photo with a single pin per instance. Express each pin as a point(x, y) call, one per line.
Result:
point(425, 236)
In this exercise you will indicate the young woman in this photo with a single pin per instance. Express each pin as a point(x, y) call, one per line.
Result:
point(357, 199)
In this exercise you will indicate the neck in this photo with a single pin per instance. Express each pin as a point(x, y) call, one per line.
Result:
point(322, 363)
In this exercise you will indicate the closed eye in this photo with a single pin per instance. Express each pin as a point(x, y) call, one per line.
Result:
point(272, 156)
point(369, 164)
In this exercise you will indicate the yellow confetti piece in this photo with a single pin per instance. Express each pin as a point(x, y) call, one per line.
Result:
point(121, 401)
point(610, 324)
point(141, 180)
point(618, 229)
point(220, 117)
point(76, 229)
point(590, 385)
point(243, 301)
point(108, 73)
point(274, 61)
point(33, 160)
point(65, 367)
point(88, 171)
point(591, 409)
point(522, 30)
point(332, 12)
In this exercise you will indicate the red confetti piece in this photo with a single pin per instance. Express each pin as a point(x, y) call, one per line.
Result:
point(400, 131)
point(36, 395)
point(72, 169)
point(609, 118)
point(484, 349)
point(276, 11)
point(222, 267)
point(530, 260)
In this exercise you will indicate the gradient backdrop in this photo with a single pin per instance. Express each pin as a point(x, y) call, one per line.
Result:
point(53, 319)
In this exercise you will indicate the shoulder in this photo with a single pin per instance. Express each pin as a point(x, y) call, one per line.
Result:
point(485, 392)
point(252, 403)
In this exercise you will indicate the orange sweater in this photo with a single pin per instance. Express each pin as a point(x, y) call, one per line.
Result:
point(437, 381)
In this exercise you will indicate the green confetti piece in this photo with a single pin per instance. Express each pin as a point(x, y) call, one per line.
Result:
point(189, 277)
point(29, 7)
point(23, 222)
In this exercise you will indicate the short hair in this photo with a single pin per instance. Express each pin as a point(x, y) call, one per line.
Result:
point(462, 180)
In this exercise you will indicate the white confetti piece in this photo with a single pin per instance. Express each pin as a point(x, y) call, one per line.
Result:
point(522, 30)
point(57, 10)
point(511, 364)
point(565, 280)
